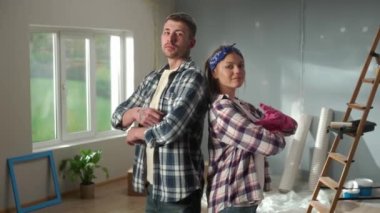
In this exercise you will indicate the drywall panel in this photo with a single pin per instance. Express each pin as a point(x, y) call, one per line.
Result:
point(301, 55)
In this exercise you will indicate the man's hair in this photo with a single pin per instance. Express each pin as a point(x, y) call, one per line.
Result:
point(185, 18)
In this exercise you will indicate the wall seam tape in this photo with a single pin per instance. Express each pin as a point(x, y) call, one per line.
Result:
point(320, 147)
point(294, 155)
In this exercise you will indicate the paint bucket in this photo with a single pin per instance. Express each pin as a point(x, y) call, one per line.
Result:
point(351, 189)
point(365, 186)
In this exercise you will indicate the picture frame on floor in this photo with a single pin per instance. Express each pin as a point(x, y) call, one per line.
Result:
point(12, 162)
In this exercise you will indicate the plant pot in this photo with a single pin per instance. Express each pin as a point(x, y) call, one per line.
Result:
point(87, 191)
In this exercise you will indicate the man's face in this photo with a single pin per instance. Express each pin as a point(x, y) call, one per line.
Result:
point(176, 40)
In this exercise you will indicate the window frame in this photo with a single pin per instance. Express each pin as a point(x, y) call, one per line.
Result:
point(123, 87)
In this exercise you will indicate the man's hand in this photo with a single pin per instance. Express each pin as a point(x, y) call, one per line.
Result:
point(144, 116)
point(135, 136)
point(148, 116)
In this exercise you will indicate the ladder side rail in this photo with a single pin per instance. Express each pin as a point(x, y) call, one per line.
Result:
point(327, 164)
point(363, 120)
point(359, 133)
point(324, 172)
point(375, 41)
point(371, 98)
point(316, 191)
point(362, 74)
point(351, 155)
point(335, 143)
point(372, 50)
point(357, 136)
point(346, 169)
point(374, 89)
point(314, 196)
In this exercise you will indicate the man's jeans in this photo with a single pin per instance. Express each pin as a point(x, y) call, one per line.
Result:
point(248, 209)
point(190, 204)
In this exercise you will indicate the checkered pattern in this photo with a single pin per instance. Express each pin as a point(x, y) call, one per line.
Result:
point(178, 161)
point(234, 140)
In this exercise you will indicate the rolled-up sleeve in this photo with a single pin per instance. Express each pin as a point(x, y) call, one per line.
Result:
point(135, 100)
point(234, 128)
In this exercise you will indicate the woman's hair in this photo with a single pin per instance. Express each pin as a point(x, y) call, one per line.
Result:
point(212, 61)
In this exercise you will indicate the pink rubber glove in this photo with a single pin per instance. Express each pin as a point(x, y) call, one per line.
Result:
point(274, 120)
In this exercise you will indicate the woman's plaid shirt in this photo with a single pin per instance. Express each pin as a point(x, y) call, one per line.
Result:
point(178, 160)
point(234, 139)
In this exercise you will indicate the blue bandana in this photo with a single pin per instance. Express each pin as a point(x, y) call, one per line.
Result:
point(219, 56)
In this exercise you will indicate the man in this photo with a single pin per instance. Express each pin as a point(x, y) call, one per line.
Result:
point(164, 119)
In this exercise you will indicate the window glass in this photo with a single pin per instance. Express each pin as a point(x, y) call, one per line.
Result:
point(42, 86)
point(75, 67)
point(78, 77)
point(103, 82)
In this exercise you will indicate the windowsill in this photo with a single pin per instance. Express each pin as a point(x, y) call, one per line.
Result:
point(67, 144)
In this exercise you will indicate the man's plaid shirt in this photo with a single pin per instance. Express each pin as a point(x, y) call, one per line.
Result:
point(178, 160)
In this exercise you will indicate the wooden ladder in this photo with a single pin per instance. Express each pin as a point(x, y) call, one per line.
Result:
point(333, 156)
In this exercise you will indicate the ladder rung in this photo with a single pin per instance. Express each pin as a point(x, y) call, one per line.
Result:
point(338, 157)
point(319, 206)
point(369, 80)
point(358, 128)
point(357, 106)
point(351, 134)
point(332, 184)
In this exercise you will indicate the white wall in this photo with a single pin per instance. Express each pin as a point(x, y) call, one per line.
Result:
point(142, 17)
point(301, 55)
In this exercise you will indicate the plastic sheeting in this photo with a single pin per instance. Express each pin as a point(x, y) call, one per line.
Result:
point(320, 148)
point(297, 201)
point(290, 202)
point(295, 153)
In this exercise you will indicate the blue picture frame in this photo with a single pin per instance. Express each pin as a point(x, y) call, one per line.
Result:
point(34, 156)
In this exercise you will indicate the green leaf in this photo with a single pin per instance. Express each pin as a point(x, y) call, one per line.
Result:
point(82, 166)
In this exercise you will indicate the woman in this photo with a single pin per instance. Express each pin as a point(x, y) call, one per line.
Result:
point(241, 136)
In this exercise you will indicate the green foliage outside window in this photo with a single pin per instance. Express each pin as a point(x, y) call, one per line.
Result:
point(42, 87)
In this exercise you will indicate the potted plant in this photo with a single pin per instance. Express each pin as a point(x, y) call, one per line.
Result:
point(83, 166)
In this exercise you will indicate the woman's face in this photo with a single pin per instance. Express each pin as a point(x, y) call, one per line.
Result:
point(230, 74)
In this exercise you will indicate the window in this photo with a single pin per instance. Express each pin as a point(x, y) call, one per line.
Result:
point(77, 78)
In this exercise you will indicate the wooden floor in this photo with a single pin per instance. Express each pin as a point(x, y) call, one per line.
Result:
point(109, 198)
point(112, 198)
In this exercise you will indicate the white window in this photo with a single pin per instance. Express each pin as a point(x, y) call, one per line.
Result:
point(77, 78)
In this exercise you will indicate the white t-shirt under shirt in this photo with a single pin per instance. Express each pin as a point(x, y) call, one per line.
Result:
point(154, 104)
